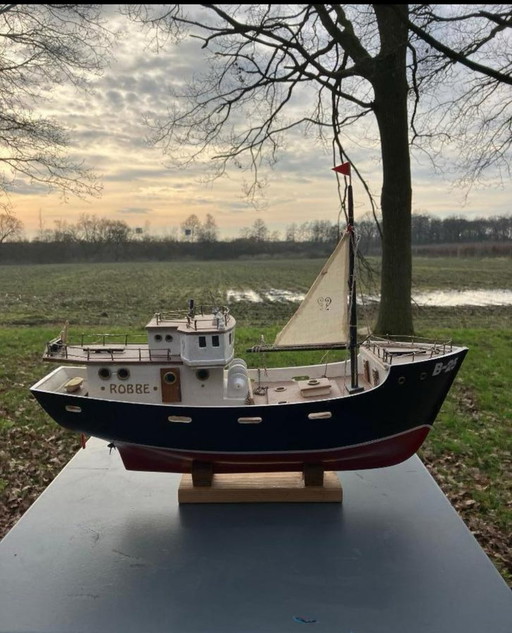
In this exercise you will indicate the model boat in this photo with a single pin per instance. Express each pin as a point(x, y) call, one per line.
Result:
point(181, 399)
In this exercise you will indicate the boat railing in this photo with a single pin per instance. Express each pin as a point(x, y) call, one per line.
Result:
point(391, 347)
point(106, 347)
point(196, 317)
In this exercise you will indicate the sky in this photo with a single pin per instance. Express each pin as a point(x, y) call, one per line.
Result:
point(107, 131)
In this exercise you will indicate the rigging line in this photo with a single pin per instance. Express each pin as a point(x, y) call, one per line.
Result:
point(324, 357)
point(364, 304)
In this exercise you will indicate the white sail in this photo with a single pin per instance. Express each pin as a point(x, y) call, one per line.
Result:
point(322, 317)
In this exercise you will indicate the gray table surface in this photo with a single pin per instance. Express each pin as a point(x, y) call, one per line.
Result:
point(105, 550)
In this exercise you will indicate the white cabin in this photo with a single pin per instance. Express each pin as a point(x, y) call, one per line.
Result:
point(188, 358)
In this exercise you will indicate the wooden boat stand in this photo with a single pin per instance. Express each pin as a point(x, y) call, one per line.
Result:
point(312, 485)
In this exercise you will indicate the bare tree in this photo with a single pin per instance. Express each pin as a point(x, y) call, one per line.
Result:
point(190, 227)
point(259, 231)
point(11, 228)
point(291, 232)
point(92, 229)
point(460, 78)
point(43, 46)
point(346, 62)
point(208, 231)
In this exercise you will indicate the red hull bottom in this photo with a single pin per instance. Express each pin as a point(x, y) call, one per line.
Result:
point(377, 454)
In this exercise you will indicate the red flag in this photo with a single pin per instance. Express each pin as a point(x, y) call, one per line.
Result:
point(344, 168)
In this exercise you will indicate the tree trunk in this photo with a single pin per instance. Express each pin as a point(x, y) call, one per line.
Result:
point(391, 90)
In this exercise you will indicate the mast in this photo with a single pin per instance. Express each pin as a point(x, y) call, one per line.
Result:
point(352, 345)
point(352, 342)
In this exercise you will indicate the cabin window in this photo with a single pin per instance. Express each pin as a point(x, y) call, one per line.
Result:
point(202, 374)
point(158, 337)
point(168, 337)
point(230, 338)
point(123, 373)
point(215, 340)
point(104, 373)
point(202, 341)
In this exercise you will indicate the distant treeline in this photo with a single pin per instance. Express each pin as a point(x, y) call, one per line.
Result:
point(449, 237)
point(157, 250)
point(427, 230)
point(115, 241)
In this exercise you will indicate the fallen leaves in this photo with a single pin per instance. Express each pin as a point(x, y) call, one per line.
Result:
point(461, 484)
point(30, 461)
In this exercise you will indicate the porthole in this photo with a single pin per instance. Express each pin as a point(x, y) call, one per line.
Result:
point(158, 337)
point(423, 375)
point(202, 374)
point(104, 373)
point(401, 380)
point(170, 377)
point(168, 337)
point(123, 373)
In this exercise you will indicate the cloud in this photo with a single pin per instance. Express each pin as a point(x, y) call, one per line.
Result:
point(108, 132)
point(136, 174)
point(239, 207)
point(23, 187)
point(134, 210)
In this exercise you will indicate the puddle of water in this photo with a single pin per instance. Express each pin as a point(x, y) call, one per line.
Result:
point(275, 294)
point(464, 298)
point(454, 298)
point(243, 295)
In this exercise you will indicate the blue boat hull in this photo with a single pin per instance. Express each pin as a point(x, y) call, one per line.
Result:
point(379, 427)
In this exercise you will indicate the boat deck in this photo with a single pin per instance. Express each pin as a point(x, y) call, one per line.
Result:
point(270, 387)
point(288, 391)
point(73, 380)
